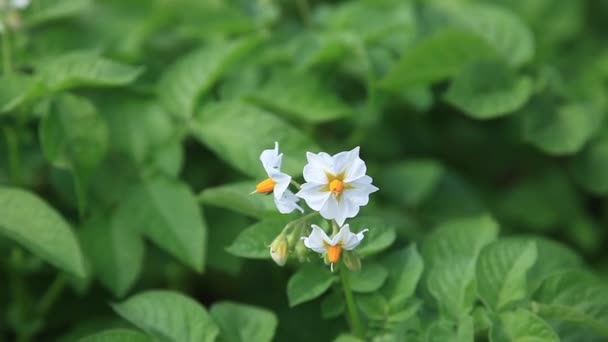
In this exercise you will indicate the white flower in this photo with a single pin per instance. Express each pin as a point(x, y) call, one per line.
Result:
point(336, 185)
point(277, 181)
point(20, 4)
point(319, 242)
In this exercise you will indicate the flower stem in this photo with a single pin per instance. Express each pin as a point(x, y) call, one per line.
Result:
point(296, 184)
point(299, 220)
point(51, 294)
point(353, 314)
point(6, 51)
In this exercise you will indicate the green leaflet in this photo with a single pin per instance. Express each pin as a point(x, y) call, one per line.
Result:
point(308, 283)
point(254, 241)
point(242, 323)
point(116, 335)
point(522, 325)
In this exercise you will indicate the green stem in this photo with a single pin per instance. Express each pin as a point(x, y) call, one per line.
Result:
point(298, 221)
point(296, 184)
point(304, 9)
point(334, 227)
point(6, 51)
point(52, 294)
point(14, 160)
point(353, 314)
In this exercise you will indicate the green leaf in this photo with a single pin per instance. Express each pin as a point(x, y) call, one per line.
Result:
point(522, 325)
point(45, 11)
point(447, 331)
point(411, 182)
point(500, 28)
point(576, 297)
point(29, 220)
point(185, 81)
point(405, 269)
point(563, 130)
point(115, 250)
point(591, 165)
point(17, 89)
point(501, 271)
point(254, 241)
point(84, 68)
point(369, 279)
point(380, 236)
point(239, 322)
point(168, 315)
point(452, 284)
point(167, 212)
point(237, 197)
point(238, 133)
point(117, 335)
point(333, 305)
point(308, 283)
point(436, 58)
point(301, 96)
point(487, 90)
point(552, 258)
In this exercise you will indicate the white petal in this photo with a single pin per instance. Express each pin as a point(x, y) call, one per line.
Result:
point(339, 210)
point(317, 167)
point(341, 235)
point(358, 191)
point(317, 240)
point(281, 181)
point(353, 240)
point(20, 4)
point(314, 195)
point(288, 203)
point(271, 159)
point(343, 160)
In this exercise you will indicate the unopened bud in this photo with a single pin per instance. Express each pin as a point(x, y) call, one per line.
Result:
point(278, 250)
point(352, 261)
point(301, 251)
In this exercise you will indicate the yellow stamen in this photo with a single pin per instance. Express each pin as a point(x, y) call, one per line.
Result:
point(265, 187)
point(336, 186)
point(333, 253)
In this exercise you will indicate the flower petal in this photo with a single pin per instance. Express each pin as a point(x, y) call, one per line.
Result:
point(317, 240)
point(314, 195)
point(271, 159)
point(353, 240)
point(318, 166)
point(281, 181)
point(343, 162)
point(287, 203)
point(339, 210)
point(341, 235)
point(358, 191)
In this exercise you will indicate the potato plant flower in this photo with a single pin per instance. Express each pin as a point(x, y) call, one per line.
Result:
point(319, 242)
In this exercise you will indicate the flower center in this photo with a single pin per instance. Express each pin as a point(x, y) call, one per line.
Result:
point(266, 186)
point(333, 253)
point(336, 186)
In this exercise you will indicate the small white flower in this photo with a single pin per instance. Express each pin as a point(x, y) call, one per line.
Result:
point(336, 185)
point(277, 181)
point(319, 242)
point(19, 4)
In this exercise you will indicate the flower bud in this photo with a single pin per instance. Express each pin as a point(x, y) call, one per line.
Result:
point(301, 251)
point(352, 261)
point(278, 250)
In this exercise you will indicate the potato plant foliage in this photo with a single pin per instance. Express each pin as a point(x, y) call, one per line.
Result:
point(130, 139)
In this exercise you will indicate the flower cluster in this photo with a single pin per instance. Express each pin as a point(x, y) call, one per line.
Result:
point(335, 188)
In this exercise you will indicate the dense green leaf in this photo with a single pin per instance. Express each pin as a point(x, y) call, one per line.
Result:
point(254, 241)
point(237, 197)
point(308, 283)
point(117, 335)
point(379, 237)
point(591, 165)
point(523, 325)
point(29, 220)
point(83, 68)
point(184, 82)
point(563, 130)
point(369, 279)
point(243, 323)
point(552, 257)
point(501, 271)
point(238, 133)
point(167, 212)
point(168, 316)
point(436, 58)
point(447, 331)
point(302, 97)
point(487, 90)
point(405, 269)
point(333, 305)
point(411, 182)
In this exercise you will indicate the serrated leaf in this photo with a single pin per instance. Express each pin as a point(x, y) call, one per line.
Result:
point(591, 165)
point(254, 241)
point(563, 130)
point(308, 283)
point(436, 58)
point(168, 316)
point(237, 197)
point(501, 271)
point(226, 128)
point(243, 323)
point(379, 237)
point(501, 28)
point(369, 279)
point(84, 68)
point(411, 182)
point(30, 221)
point(300, 96)
point(487, 90)
point(117, 335)
point(184, 82)
point(522, 325)
point(115, 250)
point(167, 212)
